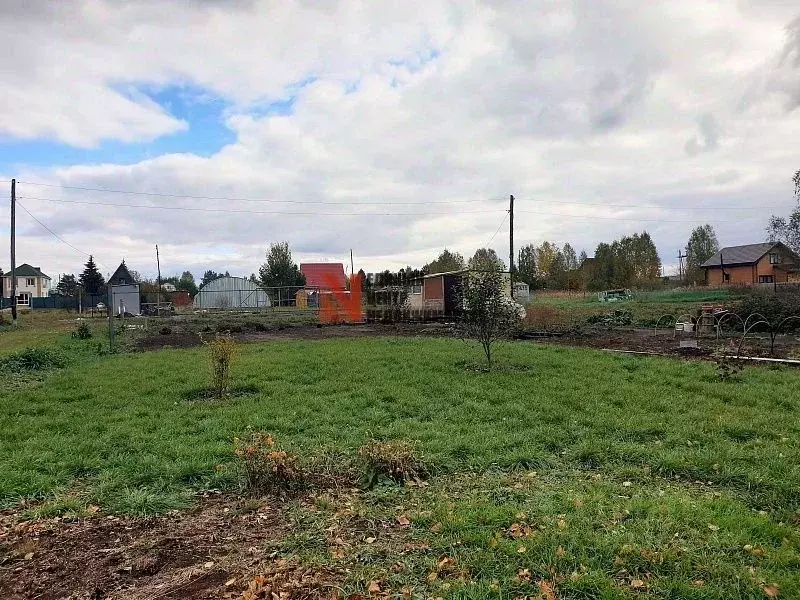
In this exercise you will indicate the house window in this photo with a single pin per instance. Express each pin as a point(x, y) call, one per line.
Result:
point(726, 277)
point(30, 282)
point(24, 300)
point(774, 259)
point(416, 288)
point(765, 279)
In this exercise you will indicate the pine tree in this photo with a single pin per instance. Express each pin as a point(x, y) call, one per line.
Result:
point(91, 279)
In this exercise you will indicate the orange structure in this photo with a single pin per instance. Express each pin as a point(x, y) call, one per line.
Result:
point(337, 306)
point(753, 264)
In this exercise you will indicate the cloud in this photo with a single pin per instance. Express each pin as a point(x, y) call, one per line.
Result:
point(396, 131)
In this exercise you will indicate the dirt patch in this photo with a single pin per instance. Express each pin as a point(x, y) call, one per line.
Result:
point(208, 552)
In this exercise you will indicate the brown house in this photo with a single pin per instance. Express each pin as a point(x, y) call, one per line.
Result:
point(771, 262)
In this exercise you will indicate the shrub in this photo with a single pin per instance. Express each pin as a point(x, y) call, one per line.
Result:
point(82, 331)
point(267, 468)
point(398, 460)
point(32, 359)
point(222, 349)
point(727, 367)
point(165, 330)
point(775, 306)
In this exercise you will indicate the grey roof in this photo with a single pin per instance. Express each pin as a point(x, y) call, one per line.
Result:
point(740, 255)
point(121, 276)
point(26, 270)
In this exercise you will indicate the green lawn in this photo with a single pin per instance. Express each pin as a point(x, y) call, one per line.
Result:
point(657, 469)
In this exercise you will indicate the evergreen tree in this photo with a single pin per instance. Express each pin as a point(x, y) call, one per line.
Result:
point(68, 286)
point(91, 279)
point(526, 266)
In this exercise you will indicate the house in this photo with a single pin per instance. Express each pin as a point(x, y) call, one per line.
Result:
point(168, 287)
point(324, 276)
point(125, 297)
point(438, 293)
point(31, 283)
point(752, 264)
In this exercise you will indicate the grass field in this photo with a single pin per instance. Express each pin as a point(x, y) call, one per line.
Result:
point(651, 476)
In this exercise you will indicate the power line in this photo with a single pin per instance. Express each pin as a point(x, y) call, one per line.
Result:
point(378, 202)
point(255, 212)
point(496, 232)
point(593, 217)
point(53, 233)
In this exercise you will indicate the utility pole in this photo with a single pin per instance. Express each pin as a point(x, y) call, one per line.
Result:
point(680, 264)
point(351, 263)
point(14, 251)
point(158, 293)
point(511, 244)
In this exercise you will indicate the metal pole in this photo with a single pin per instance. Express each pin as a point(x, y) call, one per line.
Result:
point(158, 293)
point(511, 244)
point(110, 321)
point(14, 251)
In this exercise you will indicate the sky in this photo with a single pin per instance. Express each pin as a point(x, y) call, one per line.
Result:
point(215, 127)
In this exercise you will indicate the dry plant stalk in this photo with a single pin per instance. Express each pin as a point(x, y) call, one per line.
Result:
point(222, 350)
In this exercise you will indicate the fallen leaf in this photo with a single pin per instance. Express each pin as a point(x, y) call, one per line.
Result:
point(370, 540)
point(230, 582)
point(771, 590)
point(713, 527)
point(546, 590)
point(522, 549)
point(208, 565)
point(436, 527)
point(29, 556)
point(374, 587)
point(92, 509)
point(698, 583)
point(626, 484)
point(560, 551)
point(562, 524)
point(637, 584)
point(432, 576)
point(523, 575)
point(403, 521)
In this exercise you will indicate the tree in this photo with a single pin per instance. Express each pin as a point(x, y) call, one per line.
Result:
point(447, 261)
point(279, 270)
point(526, 266)
point(570, 258)
point(68, 286)
point(91, 279)
point(701, 246)
point(582, 258)
point(210, 276)
point(631, 261)
point(489, 315)
point(486, 259)
point(545, 255)
point(184, 283)
point(781, 229)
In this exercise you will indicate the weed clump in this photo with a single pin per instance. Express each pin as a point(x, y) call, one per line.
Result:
point(267, 468)
point(222, 350)
point(32, 359)
point(82, 331)
point(398, 460)
point(727, 367)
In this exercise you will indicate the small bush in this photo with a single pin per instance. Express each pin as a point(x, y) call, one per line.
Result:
point(165, 330)
point(82, 331)
point(398, 460)
point(222, 350)
point(727, 367)
point(267, 469)
point(32, 359)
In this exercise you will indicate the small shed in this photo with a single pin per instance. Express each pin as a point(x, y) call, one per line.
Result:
point(231, 292)
point(124, 292)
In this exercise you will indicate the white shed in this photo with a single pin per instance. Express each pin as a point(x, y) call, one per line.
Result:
point(231, 292)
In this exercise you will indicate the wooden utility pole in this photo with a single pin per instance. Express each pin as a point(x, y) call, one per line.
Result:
point(680, 265)
point(14, 251)
point(511, 244)
point(158, 293)
point(351, 263)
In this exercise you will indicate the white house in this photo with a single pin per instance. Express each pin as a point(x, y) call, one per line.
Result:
point(31, 283)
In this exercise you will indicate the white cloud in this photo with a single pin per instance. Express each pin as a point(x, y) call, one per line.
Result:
point(675, 109)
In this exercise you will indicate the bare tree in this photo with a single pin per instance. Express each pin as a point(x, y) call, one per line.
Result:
point(489, 314)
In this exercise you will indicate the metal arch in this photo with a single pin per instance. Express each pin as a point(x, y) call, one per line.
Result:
point(724, 317)
point(744, 335)
point(774, 332)
point(760, 316)
point(658, 322)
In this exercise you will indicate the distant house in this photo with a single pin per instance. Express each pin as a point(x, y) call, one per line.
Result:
point(753, 264)
point(31, 283)
point(324, 276)
point(168, 287)
point(439, 293)
point(125, 298)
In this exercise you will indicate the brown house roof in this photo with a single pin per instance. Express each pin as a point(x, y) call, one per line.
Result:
point(739, 255)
